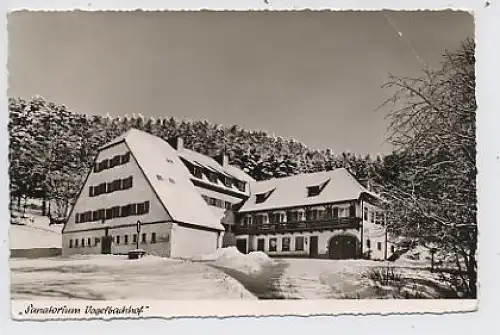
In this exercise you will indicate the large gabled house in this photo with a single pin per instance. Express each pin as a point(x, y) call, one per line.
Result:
point(140, 177)
point(319, 215)
point(187, 204)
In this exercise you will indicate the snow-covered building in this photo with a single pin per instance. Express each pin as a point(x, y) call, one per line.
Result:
point(140, 177)
point(319, 215)
point(189, 204)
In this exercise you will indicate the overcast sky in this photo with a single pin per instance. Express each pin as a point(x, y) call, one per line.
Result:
point(313, 76)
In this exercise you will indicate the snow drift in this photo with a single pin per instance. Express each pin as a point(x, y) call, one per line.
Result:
point(232, 258)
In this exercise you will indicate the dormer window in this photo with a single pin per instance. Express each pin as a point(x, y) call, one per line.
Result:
point(228, 182)
point(212, 176)
point(261, 197)
point(315, 190)
point(197, 172)
point(240, 185)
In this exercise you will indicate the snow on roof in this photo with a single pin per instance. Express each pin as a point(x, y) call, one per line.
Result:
point(292, 191)
point(176, 191)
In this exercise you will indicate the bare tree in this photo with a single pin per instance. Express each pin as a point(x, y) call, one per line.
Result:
point(432, 180)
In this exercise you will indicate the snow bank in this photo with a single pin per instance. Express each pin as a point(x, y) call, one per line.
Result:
point(232, 258)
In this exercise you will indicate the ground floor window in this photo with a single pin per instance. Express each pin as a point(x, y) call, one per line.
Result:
point(392, 249)
point(153, 237)
point(118, 239)
point(96, 241)
point(125, 239)
point(285, 244)
point(71, 243)
point(272, 244)
point(368, 243)
point(379, 245)
point(89, 242)
point(76, 243)
point(134, 238)
point(299, 243)
point(143, 240)
point(260, 244)
point(83, 242)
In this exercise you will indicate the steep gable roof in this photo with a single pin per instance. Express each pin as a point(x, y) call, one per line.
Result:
point(175, 190)
point(335, 186)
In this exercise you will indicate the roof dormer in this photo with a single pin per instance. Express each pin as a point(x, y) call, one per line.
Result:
point(263, 196)
point(315, 190)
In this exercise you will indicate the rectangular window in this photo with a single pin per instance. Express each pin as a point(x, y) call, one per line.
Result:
point(127, 183)
point(260, 244)
point(77, 218)
point(285, 244)
point(133, 209)
point(228, 182)
point(105, 164)
point(125, 158)
point(114, 161)
point(140, 209)
point(71, 243)
point(228, 205)
point(197, 172)
point(125, 239)
point(89, 242)
point(125, 211)
point(240, 185)
point(368, 244)
point(379, 245)
point(109, 188)
point(83, 242)
point(247, 220)
point(91, 191)
point(96, 167)
point(117, 239)
point(116, 211)
point(153, 237)
point(365, 213)
point(299, 243)
point(76, 243)
point(101, 214)
point(109, 213)
point(134, 238)
point(96, 241)
point(293, 216)
point(117, 185)
point(335, 212)
point(95, 216)
point(372, 216)
point(272, 244)
point(143, 240)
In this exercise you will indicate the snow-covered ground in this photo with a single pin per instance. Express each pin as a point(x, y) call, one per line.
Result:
point(35, 232)
point(341, 279)
point(105, 277)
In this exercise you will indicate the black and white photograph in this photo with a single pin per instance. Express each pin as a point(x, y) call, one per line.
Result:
point(252, 155)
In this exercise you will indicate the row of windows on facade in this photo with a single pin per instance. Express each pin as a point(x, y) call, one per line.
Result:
point(214, 177)
point(285, 244)
point(300, 215)
point(76, 243)
point(115, 185)
point(113, 212)
point(369, 244)
point(111, 162)
point(217, 202)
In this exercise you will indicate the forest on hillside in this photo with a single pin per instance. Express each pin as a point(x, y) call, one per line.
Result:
point(52, 149)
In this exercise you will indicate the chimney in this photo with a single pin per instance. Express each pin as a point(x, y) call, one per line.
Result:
point(222, 159)
point(176, 142)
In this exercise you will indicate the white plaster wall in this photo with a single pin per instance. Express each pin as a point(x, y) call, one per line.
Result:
point(140, 192)
point(323, 241)
point(188, 242)
point(160, 248)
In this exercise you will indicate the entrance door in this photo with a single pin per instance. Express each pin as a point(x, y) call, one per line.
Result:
point(241, 245)
point(313, 247)
point(342, 247)
point(106, 245)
